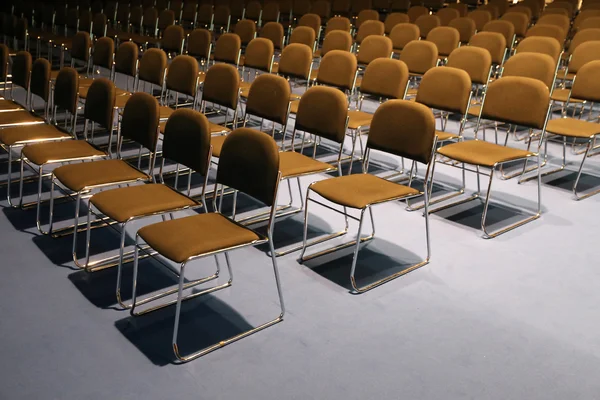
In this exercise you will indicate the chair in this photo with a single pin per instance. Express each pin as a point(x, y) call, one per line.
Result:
point(369, 28)
point(585, 88)
point(99, 26)
point(543, 45)
point(152, 70)
point(445, 38)
point(465, 27)
point(561, 21)
point(563, 6)
point(172, 40)
point(400, 6)
point(589, 23)
point(382, 5)
point(21, 75)
point(228, 49)
point(493, 42)
point(336, 40)
point(340, 7)
point(394, 19)
point(420, 56)
point(580, 38)
point(501, 5)
point(527, 10)
point(337, 24)
point(462, 8)
point(304, 35)
point(237, 8)
point(254, 12)
point(532, 65)
point(207, 15)
point(247, 154)
point(388, 133)
point(301, 8)
point(295, 63)
point(446, 15)
point(480, 17)
point(584, 53)
point(551, 11)
point(199, 45)
point(270, 12)
point(426, 23)
point(274, 32)
point(222, 18)
point(476, 62)
point(582, 16)
point(372, 48)
point(512, 100)
point(259, 57)
point(366, 15)
point(246, 30)
point(415, 12)
point(189, 14)
point(182, 78)
point(552, 31)
point(504, 28)
point(519, 21)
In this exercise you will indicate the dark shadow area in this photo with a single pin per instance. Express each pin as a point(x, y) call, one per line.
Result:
point(566, 179)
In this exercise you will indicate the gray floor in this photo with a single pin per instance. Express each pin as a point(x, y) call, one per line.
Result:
point(510, 318)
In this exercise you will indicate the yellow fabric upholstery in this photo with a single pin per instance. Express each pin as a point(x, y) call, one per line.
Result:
point(182, 238)
point(484, 154)
point(359, 119)
point(44, 153)
point(293, 164)
point(9, 105)
point(18, 118)
point(27, 134)
point(79, 176)
point(361, 190)
point(572, 127)
point(443, 136)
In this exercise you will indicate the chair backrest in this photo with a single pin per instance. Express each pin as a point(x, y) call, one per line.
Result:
point(246, 30)
point(338, 24)
point(150, 20)
point(492, 42)
point(583, 15)
point(199, 43)
point(153, 66)
point(301, 7)
point(336, 40)
point(426, 23)
point(445, 38)
point(532, 65)
point(21, 69)
point(583, 54)
point(374, 47)
point(475, 61)
point(274, 32)
point(259, 54)
point(501, 5)
point(394, 19)
point(323, 111)
point(446, 15)
point(465, 27)
point(462, 8)
point(222, 85)
point(40, 78)
point(99, 25)
point(491, 8)
point(249, 163)
point(4, 57)
point(186, 140)
point(222, 16)
point(139, 121)
point(552, 31)
point(403, 128)
point(104, 53)
point(556, 19)
point(562, 7)
point(305, 35)
point(561, 11)
point(136, 16)
point(311, 20)
point(517, 100)
point(189, 13)
point(206, 15)
point(322, 8)
point(66, 89)
point(270, 12)
point(541, 44)
point(182, 75)
point(519, 21)
point(85, 21)
point(505, 28)
point(81, 46)
point(227, 48)
point(338, 68)
point(340, 7)
point(296, 61)
point(415, 12)
point(269, 98)
point(420, 56)
point(253, 11)
point(360, 5)
point(480, 17)
point(586, 85)
point(590, 23)
point(366, 15)
point(369, 28)
point(582, 37)
point(446, 89)
point(100, 102)
point(404, 33)
point(237, 10)
point(386, 78)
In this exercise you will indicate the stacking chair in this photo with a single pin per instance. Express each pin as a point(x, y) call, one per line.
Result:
point(21, 75)
point(523, 9)
point(247, 154)
point(426, 23)
point(582, 37)
point(340, 7)
point(476, 62)
point(543, 45)
point(561, 21)
point(259, 57)
point(590, 23)
point(253, 12)
point(171, 41)
point(394, 19)
point(583, 54)
point(207, 17)
point(491, 8)
point(301, 8)
point(304, 35)
point(237, 8)
point(505, 28)
point(493, 42)
point(419, 56)
point(366, 15)
point(154, 28)
point(582, 16)
point(480, 17)
point(152, 70)
point(322, 8)
point(415, 12)
point(400, 6)
point(462, 8)
point(501, 5)
point(512, 100)
point(520, 23)
point(295, 64)
point(585, 88)
point(182, 78)
point(99, 110)
point(552, 31)
point(222, 18)
point(270, 12)
point(189, 14)
point(389, 133)
point(559, 7)
point(402, 34)
point(360, 5)
point(337, 24)
point(532, 65)
point(369, 28)
point(246, 30)
point(372, 48)
point(274, 32)
point(228, 49)
point(446, 39)
point(312, 21)
point(465, 27)
point(199, 45)
point(447, 15)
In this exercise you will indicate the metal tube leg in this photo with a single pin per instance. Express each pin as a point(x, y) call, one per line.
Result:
point(356, 249)
point(305, 231)
point(135, 274)
point(178, 311)
point(120, 267)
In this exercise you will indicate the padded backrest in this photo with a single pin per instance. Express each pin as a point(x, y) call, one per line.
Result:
point(338, 68)
point(4, 55)
point(394, 19)
point(222, 85)
point(126, 59)
point(172, 39)
point(582, 37)
point(199, 43)
point(541, 44)
point(587, 83)
point(466, 28)
point(369, 28)
point(323, 111)
point(404, 33)
point(304, 35)
point(492, 42)
point(296, 61)
point(446, 89)
point(583, 54)
point(475, 61)
point(446, 15)
point(40, 78)
point(403, 128)
point(227, 48)
point(336, 40)
point(416, 11)
point(519, 21)
point(505, 28)
point(21, 69)
point(338, 24)
point(100, 102)
point(374, 47)
point(480, 17)
point(445, 38)
point(419, 56)
point(274, 32)
point(66, 89)
point(104, 52)
point(139, 121)
point(81, 46)
point(182, 75)
point(249, 162)
point(186, 139)
point(517, 100)
point(532, 65)
point(385, 77)
point(426, 23)
point(152, 66)
point(311, 20)
point(366, 15)
point(246, 30)
point(561, 21)
point(552, 31)
point(269, 98)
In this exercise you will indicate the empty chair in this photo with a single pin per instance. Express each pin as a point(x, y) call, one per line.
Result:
point(582, 37)
point(372, 48)
point(582, 16)
point(338, 24)
point(359, 5)
point(301, 8)
point(590, 23)
point(552, 31)
point(389, 133)
point(312, 21)
point(246, 30)
point(466, 28)
point(228, 49)
point(446, 40)
point(304, 35)
point(532, 65)
point(446, 15)
point(394, 19)
point(366, 15)
point(519, 21)
point(259, 57)
point(491, 8)
point(400, 5)
point(492, 42)
point(561, 7)
point(426, 23)
point(153, 67)
point(340, 7)
point(199, 45)
point(206, 17)
point(237, 8)
point(270, 12)
point(269, 98)
point(221, 88)
point(181, 79)
point(480, 17)
point(254, 11)
point(584, 53)
point(462, 8)
point(501, 5)
point(172, 40)
point(274, 32)
point(295, 62)
point(415, 12)
point(221, 18)
point(21, 74)
point(561, 21)
point(369, 28)
point(336, 40)
point(419, 56)
point(189, 14)
point(523, 10)
point(322, 8)
point(504, 28)
point(513, 100)
point(543, 45)
point(475, 61)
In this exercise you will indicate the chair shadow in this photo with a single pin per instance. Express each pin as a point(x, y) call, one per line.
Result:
point(203, 322)
point(565, 180)
point(377, 259)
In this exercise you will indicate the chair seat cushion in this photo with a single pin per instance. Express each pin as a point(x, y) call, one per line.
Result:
point(85, 87)
point(120, 101)
point(20, 117)
point(20, 135)
point(443, 136)
point(292, 164)
point(182, 238)
point(474, 110)
point(294, 106)
point(562, 95)
point(361, 190)
point(85, 175)
point(572, 127)
point(140, 200)
point(165, 112)
point(70, 150)
point(214, 128)
point(481, 153)
point(9, 105)
point(359, 119)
